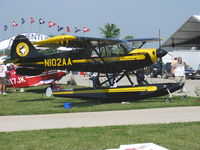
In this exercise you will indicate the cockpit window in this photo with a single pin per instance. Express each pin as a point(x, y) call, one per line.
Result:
point(118, 49)
point(113, 50)
point(128, 45)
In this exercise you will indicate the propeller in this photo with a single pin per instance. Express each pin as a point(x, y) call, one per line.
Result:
point(163, 53)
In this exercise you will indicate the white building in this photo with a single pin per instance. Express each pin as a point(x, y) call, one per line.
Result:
point(185, 43)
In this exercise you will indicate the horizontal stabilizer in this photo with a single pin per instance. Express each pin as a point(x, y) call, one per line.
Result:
point(29, 71)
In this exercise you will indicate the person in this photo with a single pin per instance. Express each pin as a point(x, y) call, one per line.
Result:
point(140, 76)
point(3, 78)
point(95, 80)
point(179, 72)
point(112, 80)
point(172, 65)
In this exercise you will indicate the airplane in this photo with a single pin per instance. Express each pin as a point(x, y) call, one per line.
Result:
point(21, 81)
point(90, 54)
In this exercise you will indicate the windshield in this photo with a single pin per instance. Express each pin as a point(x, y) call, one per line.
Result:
point(127, 45)
point(118, 49)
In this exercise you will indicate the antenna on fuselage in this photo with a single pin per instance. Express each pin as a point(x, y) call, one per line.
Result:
point(159, 42)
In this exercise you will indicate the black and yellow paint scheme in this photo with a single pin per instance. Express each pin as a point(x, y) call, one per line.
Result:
point(86, 54)
point(123, 93)
point(90, 54)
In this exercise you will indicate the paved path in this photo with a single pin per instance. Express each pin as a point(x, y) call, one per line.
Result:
point(92, 119)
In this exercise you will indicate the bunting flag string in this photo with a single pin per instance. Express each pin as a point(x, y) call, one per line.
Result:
point(14, 24)
point(5, 27)
point(67, 29)
point(77, 30)
point(85, 29)
point(41, 21)
point(60, 28)
point(32, 20)
point(22, 20)
point(50, 24)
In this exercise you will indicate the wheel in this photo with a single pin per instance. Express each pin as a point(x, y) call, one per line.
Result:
point(153, 75)
point(168, 100)
point(165, 76)
point(183, 97)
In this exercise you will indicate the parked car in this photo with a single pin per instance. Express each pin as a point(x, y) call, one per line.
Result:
point(154, 70)
point(167, 71)
point(189, 72)
point(198, 72)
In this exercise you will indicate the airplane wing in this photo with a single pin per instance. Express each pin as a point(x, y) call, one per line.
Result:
point(142, 40)
point(76, 41)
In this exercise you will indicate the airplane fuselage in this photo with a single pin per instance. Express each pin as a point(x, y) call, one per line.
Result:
point(71, 61)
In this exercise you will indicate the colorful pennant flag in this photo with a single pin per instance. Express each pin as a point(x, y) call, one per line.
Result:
point(51, 24)
point(14, 24)
point(32, 20)
point(5, 27)
point(67, 29)
point(77, 30)
point(41, 21)
point(22, 20)
point(85, 29)
point(60, 28)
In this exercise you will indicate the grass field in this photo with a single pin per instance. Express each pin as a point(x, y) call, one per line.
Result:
point(175, 136)
point(34, 101)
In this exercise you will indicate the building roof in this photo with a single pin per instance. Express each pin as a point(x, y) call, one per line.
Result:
point(187, 34)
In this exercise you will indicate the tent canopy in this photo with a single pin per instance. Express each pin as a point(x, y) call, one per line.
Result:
point(187, 34)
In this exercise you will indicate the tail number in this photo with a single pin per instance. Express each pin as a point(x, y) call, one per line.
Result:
point(17, 80)
point(57, 62)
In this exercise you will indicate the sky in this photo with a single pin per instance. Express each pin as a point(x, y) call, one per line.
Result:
point(138, 18)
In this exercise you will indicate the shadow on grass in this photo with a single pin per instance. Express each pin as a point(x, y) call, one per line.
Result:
point(36, 100)
point(38, 91)
point(59, 106)
point(78, 103)
point(157, 99)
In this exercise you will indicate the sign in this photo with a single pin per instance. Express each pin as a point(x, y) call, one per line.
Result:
point(141, 146)
point(33, 37)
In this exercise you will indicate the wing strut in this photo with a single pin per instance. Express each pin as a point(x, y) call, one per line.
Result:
point(102, 61)
point(139, 77)
point(142, 44)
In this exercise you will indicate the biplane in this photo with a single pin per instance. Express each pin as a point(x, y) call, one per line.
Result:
point(88, 54)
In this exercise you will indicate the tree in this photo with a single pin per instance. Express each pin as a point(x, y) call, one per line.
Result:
point(129, 37)
point(110, 30)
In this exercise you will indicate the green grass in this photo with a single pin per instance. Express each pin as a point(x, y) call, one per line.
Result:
point(175, 136)
point(34, 101)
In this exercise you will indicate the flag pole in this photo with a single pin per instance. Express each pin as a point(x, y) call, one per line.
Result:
point(13, 31)
point(22, 28)
point(30, 28)
point(39, 28)
point(3, 35)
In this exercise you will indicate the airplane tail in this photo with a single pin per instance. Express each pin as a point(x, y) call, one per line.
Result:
point(23, 48)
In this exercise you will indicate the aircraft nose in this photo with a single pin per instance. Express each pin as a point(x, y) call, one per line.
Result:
point(160, 52)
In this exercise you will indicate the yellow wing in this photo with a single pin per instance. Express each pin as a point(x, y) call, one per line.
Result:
point(76, 41)
point(57, 40)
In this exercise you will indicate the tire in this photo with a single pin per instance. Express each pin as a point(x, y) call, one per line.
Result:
point(152, 75)
point(165, 76)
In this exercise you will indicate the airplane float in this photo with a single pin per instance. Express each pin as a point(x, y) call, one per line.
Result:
point(89, 54)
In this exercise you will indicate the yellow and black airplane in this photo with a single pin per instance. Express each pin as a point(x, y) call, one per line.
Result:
point(89, 54)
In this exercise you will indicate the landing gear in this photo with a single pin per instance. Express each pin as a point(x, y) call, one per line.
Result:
point(183, 97)
point(169, 99)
